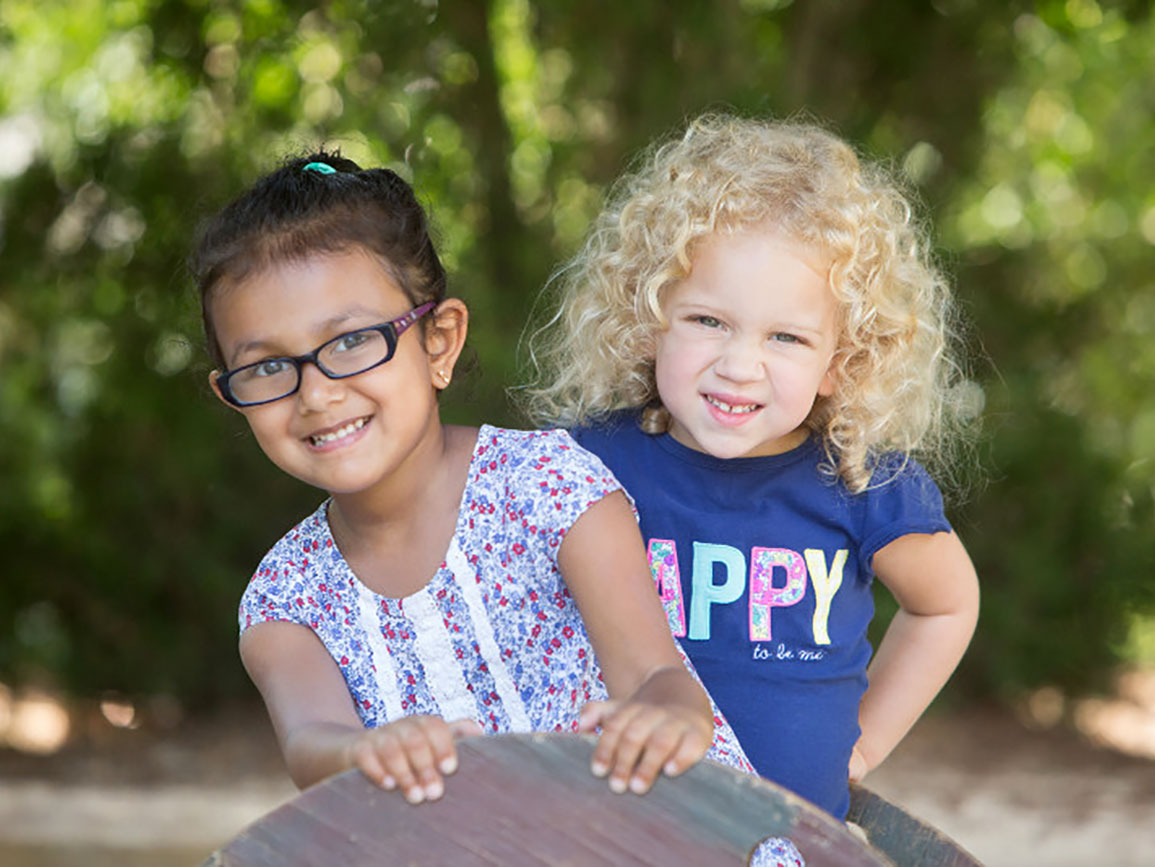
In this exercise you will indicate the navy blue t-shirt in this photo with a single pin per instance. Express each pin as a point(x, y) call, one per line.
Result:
point(763, 565)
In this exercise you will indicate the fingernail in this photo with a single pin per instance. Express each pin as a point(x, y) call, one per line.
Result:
point(434, 790)
point(617, 785)
point(448, 764)
point(415, 795)
point(638, 786)
point(388, 783)
point(600, 769)
point(671, 768)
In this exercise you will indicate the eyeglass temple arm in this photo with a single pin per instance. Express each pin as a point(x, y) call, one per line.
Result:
point(399, 325)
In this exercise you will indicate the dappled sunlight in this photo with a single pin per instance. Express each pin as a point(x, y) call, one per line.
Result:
point(120, 713)
point(32, 722)
point(133, 507)
point(20, 140)
point(1125, 722)
point(1043, 708)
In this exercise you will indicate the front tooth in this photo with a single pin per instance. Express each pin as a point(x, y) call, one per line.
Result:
point(726, 407)
point(337, 434)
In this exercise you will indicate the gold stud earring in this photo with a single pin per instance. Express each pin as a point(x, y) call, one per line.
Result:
point(444, 376)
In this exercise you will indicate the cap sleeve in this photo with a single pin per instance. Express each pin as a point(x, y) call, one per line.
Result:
point(550, 482)
point(902, 499)
point(280, 588)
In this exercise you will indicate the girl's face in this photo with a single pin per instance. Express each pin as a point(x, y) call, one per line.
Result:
point(341, 435)
point(751, 336)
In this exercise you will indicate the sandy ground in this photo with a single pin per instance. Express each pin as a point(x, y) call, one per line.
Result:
point(1010, 795)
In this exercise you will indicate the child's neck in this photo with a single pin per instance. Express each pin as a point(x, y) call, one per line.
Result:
point(395, 536)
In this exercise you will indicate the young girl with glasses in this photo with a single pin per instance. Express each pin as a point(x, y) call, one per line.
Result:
point(456, 580)
point(755, 341)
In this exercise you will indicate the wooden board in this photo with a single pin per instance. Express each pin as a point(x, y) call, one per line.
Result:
point(530, 800)
point(906, 840)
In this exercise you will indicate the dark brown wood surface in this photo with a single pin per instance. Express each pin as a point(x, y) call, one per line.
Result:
point(531, 800)
point(906, 840)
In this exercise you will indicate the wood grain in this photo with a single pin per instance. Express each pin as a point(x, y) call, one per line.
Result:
point(530, 799)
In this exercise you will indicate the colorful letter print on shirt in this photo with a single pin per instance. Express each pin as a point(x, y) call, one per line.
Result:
point(763, 564)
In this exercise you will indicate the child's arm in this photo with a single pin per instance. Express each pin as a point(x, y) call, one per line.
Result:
point(319, 731)
point(937, 590)
point(658, 717)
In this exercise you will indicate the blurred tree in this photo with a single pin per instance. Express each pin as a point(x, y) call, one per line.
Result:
point(1055, 227)
point(132, 505)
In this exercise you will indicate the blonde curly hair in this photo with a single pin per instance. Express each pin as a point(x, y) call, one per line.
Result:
point(894, 375)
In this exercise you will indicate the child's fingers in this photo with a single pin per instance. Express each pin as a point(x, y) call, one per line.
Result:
point(407, 750)
point(430, 748)
point(465, 728)
point(442, 754)
point(640, 741)
point(366, 760)
point(393, 752)
point(690, 749)
point(649, 739)
point(624, 737)
point(593, 716)
point(593, 713)
point(662, 743)
point(444, 743)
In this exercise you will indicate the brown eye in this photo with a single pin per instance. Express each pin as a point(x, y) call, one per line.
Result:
point(355, 340)
point(273, 367)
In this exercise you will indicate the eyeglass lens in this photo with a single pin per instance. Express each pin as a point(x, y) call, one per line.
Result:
point(346, 355)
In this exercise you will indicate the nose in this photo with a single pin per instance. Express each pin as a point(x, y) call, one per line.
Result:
point(317, 391)
point(740, 360)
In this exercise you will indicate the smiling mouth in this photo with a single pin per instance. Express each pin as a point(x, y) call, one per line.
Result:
point(341, 432)
point(733, 408)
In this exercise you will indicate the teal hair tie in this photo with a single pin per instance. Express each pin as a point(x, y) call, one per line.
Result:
point(320, 168)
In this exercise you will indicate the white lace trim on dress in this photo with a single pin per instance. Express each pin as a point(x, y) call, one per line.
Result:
point(384, 672)
point(435, 651)
point(467, 580)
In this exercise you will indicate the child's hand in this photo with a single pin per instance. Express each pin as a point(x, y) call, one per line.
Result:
point(411, 754)
point(640, 740)
point(858, 765)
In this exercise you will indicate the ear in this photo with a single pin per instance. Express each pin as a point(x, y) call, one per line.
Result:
point(213, 376)
point(445, 338)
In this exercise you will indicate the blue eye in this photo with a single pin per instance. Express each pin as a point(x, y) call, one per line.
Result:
point(708, 321)
point(783, 337)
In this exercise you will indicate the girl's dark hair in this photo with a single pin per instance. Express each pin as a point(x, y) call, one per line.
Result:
point(300, 210)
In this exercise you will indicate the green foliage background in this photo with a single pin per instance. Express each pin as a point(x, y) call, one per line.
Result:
point(133, 507)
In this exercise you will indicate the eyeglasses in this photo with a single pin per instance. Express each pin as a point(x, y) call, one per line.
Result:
point(345, 355)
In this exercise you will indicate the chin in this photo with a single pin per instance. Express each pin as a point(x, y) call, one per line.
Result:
point(726, 451)
point(737, 453)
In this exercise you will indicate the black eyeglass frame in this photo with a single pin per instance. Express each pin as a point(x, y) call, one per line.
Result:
point(391, 331)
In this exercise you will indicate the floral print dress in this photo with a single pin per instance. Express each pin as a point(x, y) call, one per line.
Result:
point(495, 636)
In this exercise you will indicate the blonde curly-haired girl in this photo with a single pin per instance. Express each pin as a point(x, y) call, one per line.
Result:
point(756, 341)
